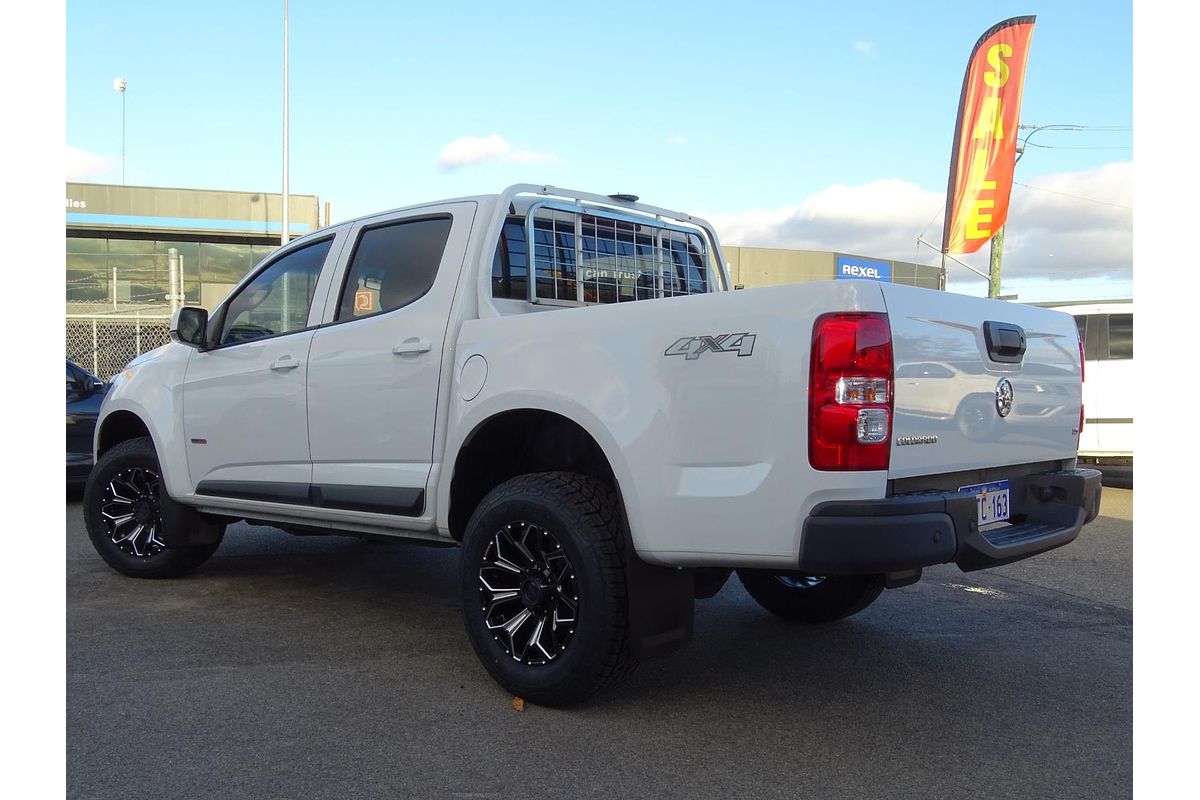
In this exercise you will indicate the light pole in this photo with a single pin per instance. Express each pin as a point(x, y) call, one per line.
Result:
point(120, 85)
point(283, 236)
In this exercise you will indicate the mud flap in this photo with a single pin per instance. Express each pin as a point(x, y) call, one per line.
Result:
point(661, 606)
point(184, 526)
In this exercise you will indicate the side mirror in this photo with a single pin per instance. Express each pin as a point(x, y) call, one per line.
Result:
point(189, 325)
point(95, 385)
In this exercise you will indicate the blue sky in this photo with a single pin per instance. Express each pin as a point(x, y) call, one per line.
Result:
point(750, 113)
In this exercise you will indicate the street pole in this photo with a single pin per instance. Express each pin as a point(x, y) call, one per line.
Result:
point(996, 256)
point(283, 235)
point(120, 84)
point(997, 251)
point(172, 278)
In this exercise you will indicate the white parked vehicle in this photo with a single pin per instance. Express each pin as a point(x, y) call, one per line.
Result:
point(560, 383)
point(1107, 332)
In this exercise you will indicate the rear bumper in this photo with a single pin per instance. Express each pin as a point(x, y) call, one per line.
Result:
point(909, 531)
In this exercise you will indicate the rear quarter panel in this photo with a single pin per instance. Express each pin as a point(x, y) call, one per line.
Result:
point(711, 452)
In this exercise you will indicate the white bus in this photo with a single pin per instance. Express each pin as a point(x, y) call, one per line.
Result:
point(1106, 329)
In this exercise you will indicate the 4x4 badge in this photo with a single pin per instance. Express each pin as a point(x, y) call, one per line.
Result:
point(691, 347)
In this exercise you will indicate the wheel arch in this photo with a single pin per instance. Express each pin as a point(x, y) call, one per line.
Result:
point(518, 441)
point(125, 420)
point(119, 426)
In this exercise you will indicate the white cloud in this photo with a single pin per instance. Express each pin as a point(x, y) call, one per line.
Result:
point(1067, 225)
point(476, 149)
point(865, 47)
point(86, 166)
point(1072, 224)
point(676, 139)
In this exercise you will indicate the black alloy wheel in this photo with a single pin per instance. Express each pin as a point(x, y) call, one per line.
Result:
point(811, 598)
point(799, 581)
point(544, 587)
point(131, 513)
point(528, 593)
point(123, 508)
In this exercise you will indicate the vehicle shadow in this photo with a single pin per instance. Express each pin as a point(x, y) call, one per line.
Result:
point(908, 651)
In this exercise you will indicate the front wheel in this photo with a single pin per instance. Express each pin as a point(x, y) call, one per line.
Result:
point(122, 508)
point(811, 598)
point(544, 587)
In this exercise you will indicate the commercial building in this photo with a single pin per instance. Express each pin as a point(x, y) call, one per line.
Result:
point(766, 266)
point(123, 242)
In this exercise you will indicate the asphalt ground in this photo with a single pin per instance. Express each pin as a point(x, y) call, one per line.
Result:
point(320, 667)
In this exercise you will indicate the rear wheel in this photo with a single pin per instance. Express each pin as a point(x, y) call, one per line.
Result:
point(123, 510)
point(544, 587)
point(811, 598)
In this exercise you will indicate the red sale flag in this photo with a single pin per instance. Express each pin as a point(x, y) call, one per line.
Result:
point(985, 136)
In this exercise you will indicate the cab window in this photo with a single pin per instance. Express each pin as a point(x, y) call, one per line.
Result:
point(277, 301)
point(616, 260)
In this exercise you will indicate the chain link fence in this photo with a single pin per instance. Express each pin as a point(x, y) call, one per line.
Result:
point(104, 343)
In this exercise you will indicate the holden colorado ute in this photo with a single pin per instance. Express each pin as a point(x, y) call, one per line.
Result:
point(562, 384)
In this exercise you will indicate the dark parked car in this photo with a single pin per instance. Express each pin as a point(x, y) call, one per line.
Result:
point(85, 392)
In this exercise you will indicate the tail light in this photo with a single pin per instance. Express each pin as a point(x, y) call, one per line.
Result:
point(850, 392)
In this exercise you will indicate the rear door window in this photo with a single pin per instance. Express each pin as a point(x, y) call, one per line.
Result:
point(392, 266)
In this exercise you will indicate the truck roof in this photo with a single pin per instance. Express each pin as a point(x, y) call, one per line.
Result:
point(523, 194)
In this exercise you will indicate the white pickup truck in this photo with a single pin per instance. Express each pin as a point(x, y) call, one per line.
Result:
point(561, 383)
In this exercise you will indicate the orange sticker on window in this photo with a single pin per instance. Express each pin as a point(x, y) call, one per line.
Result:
point(364, 301)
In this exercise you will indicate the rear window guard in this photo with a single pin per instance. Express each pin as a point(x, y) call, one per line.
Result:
point(583, 255)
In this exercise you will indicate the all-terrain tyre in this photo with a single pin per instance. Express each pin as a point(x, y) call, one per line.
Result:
point(811, 598)
point(544, 587)
point(123, 511)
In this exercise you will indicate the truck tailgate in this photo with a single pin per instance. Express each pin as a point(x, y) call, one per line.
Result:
point(947, 415)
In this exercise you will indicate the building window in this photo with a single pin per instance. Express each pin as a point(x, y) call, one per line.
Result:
point(137, 271)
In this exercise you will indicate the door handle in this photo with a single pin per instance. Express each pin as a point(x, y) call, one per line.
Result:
point(284, 362)
point(412, 346)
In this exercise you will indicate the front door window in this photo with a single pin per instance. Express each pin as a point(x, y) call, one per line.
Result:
point(277, 301)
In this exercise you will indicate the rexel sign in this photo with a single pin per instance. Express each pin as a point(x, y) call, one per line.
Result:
point(863, 268)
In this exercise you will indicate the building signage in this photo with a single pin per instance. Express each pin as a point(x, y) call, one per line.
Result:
point(863, 269)
point(145, 208)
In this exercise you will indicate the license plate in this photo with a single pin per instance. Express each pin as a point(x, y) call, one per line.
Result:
point(991, 501)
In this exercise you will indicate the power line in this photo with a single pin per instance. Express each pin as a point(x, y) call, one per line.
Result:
point(1076, 127)
point(1068, 147)
point(1073, 196)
